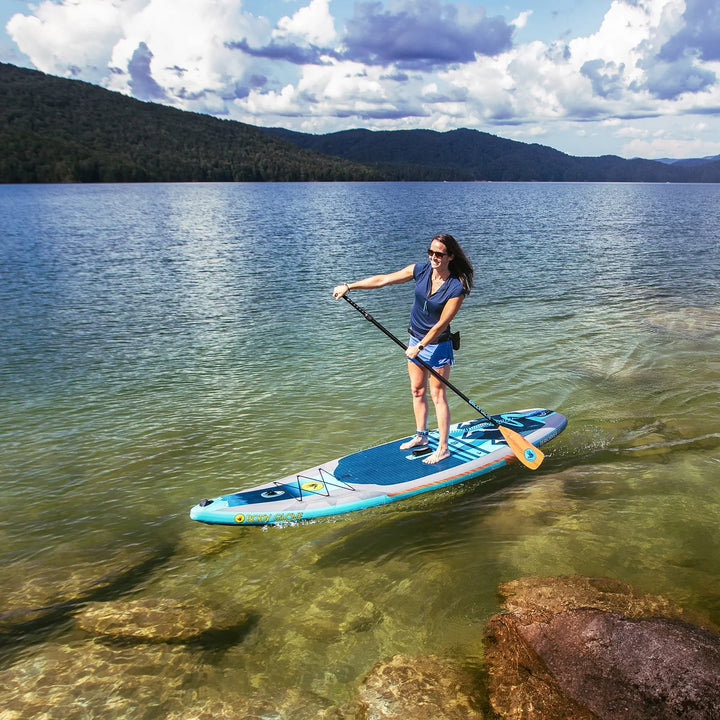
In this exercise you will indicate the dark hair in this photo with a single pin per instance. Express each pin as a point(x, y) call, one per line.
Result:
point(460, 267)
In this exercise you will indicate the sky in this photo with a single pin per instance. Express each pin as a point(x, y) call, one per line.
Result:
point(635, 78)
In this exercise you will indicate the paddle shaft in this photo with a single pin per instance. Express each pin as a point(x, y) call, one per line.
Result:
point(433, 372)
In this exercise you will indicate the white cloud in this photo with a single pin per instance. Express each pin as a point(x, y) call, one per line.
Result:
point(211, 56)
point(337, 90)
point(272, 104)
point(191, 56)
point(535, 131)
point(66, 40)
point(631, 132)
point(521, 20)
point(591, 78)
point(670, 136)
point(313, 25)
point(185, 46)
point(671, 147)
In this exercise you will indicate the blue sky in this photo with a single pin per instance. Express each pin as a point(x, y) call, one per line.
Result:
point(625, 77)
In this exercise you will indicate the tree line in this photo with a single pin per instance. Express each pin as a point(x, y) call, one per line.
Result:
point(54, 130)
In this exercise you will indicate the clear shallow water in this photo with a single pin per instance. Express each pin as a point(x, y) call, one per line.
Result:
point(165, 343)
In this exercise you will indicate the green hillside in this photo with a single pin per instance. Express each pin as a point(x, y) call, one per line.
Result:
point(54, 130)
point(472, 155)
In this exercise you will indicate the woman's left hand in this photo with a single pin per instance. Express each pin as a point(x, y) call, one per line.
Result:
point(412, 352)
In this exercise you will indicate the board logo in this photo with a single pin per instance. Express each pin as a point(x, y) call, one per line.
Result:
point(272, 493)
point(242, 519)
point(312, 486)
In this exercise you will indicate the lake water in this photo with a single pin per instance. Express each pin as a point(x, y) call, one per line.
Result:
point(164, 343)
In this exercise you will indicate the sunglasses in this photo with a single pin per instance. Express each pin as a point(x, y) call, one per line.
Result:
point(436, 253)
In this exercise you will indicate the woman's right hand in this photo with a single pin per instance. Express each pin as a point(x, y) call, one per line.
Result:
point(340, 290)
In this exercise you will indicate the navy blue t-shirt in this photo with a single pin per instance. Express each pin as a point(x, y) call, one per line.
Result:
point(427, 308)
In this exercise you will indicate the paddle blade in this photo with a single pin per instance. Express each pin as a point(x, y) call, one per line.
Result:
point(526, 453)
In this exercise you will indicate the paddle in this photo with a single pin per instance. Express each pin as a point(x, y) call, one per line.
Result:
point(526, 453)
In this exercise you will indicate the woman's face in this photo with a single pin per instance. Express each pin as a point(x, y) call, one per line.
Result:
point(438, 255)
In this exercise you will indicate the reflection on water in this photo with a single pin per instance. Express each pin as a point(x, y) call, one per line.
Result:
point(165, 343)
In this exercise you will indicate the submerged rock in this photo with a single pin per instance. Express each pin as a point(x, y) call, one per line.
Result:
point(31, 601)
point(421, 688)
point(76, 681)
point(589, 648)
point(290, 704)
point(85, 679)
point(163, 621)
point(539, 598)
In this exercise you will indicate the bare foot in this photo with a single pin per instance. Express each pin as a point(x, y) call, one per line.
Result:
point(436, 457)
point(415, 441)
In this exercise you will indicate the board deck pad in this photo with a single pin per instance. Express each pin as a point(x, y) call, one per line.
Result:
point(380, 474)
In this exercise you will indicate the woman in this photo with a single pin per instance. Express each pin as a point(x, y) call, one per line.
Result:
point(441, 285)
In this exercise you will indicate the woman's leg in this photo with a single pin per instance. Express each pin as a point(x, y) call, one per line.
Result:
point(442, 414)
point(418, 387)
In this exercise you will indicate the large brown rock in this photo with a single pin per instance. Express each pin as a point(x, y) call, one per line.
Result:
point(588, 648)
point(420, 688)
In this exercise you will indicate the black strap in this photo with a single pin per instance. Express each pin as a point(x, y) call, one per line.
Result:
point(443, 338)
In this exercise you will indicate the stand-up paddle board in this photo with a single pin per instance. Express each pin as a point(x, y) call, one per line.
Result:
point(380, 474)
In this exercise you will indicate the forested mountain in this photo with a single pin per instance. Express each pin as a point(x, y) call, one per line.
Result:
point(54, 130)
point(58, 130)
point(473, 155)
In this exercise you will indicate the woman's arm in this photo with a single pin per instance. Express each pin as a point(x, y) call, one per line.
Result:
point(375, 281)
